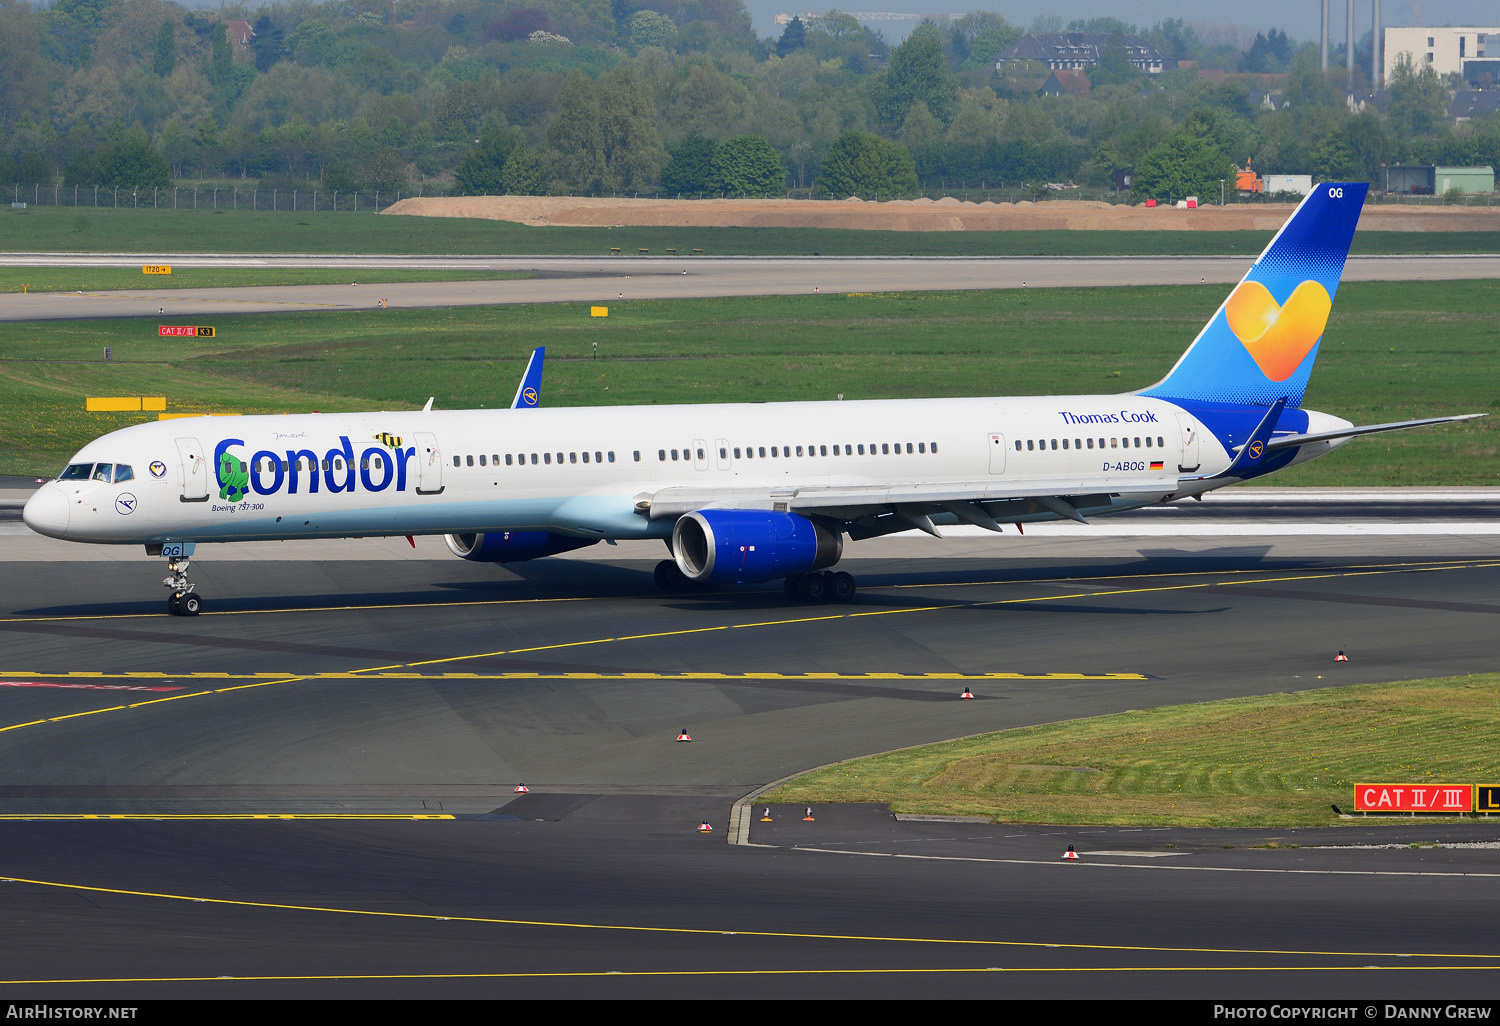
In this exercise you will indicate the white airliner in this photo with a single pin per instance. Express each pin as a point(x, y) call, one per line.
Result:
point(740, 493)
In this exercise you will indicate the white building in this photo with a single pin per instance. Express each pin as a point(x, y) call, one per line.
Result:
point(1441, 49)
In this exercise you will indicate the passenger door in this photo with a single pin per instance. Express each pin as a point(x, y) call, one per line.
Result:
point(997, 454)
point(193, 468)
point(429, 463)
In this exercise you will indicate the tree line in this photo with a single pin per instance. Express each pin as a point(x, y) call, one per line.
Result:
point(673, 97)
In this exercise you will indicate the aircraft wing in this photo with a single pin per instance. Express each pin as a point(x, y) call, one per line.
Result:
point(1369, 429)
point(867, 510)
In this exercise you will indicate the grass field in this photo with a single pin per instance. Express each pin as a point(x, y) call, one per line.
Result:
point(1391, 352)
point(99, 279)
point(66, 229)
point(1276, 761)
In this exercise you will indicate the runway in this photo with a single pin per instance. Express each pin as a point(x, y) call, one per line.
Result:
point(308, 791)
point(605, 279)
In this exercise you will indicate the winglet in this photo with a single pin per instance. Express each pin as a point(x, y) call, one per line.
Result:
point(529, 391)
point(1256, 447)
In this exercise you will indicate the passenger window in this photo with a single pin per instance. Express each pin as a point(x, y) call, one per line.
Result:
point(508, 460)
point(775, 452)
point(585, 456)
point(547, 458)
point(1114, 443)
point(823, 450)
point(455, 461)
point(611, 455)
point(885, 448)
point(1065, 443)
point(736, 452)
point(494, 460)
point(1091, 443)
point(934, 447)
point(661, 454)
point(481, 459)
point(1030, 445)
point(1137, 443)
point(1160, 442)
point(572, 457)
point(637, 455)
point(1054, 444)
point(799, 450)
point(762, 452)
point(470, 461)
point(1018, 445)
point(533, 459)
point(559, 458)
point(861, 448)
point(908, 448)
point(1148, 441)
point(599, 456)
point(700, 454)
point(723, 452)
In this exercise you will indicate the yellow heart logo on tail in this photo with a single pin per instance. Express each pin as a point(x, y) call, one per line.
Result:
point(1278, 337)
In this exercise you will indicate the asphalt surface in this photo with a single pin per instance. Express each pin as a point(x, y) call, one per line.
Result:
point(321, 693)
point(600, 280)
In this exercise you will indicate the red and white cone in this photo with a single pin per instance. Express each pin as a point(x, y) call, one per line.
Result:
point(522, 789)
point(1341, 658)
point(809, 817)
point(1070, 853)
point(765, 817)
point(967, 696)
point(705, 828)
point(684, 735)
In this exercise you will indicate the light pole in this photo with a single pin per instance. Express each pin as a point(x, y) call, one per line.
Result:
point(1221, 192)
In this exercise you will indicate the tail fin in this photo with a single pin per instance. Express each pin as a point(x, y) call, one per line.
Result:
point(529, 391)
point(1261, 343)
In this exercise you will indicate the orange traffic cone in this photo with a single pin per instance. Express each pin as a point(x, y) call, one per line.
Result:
point(1070, 853)
point(684, 735)
point(967, 695)
point(704, 828)
point(1341, 658)
point(522, 789)
point(809, 817)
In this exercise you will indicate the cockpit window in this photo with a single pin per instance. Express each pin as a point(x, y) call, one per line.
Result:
point(123, 473)
point(102, 471)
point(77, 472)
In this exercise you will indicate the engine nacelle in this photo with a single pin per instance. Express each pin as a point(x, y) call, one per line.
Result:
point(512, 546)
point(748, 545)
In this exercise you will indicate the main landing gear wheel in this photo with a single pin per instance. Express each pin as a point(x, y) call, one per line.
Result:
point(669, 577)
point(823, 586)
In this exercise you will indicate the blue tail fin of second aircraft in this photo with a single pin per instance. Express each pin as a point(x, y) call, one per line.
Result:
point(529, 391)
point(1261, 343)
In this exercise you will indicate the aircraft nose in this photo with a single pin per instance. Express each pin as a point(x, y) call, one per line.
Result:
point(46, 512)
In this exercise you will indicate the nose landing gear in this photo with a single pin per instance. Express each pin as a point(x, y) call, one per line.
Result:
point(184, 600)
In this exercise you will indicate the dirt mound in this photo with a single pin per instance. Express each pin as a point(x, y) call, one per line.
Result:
point(923, 215)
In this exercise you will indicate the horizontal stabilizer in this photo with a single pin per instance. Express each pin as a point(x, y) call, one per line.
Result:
point(1369, 429)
